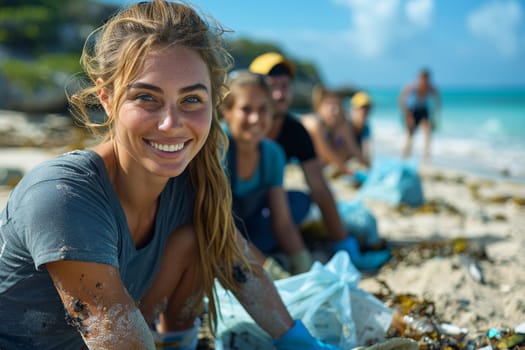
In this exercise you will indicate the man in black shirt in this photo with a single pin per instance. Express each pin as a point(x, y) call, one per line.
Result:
point(296, 142)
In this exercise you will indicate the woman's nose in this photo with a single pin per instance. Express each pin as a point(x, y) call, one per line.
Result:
point(170, 119)
point(254, 117)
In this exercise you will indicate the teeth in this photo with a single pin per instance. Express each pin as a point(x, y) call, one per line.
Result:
point(167, 148)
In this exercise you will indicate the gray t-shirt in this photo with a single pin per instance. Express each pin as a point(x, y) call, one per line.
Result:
point(66, 209)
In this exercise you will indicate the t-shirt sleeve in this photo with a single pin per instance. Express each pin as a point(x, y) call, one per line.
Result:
point(296, 141)
point(68, 219)
point(274, 163)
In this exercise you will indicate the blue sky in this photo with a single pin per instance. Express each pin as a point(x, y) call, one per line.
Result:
point(383, 43)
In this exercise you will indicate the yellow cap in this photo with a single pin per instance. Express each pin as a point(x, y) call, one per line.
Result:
point(360, 100)
point(264, 64)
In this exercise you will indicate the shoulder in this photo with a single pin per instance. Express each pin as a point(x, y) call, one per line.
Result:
point(74, 161)
point(309, 117)
point(295, 140)
point(293, 132)
point(271, 148)
point(66, 202)
point(311, 121)
point(292, 125)
point(66, 185)
point(68, 169)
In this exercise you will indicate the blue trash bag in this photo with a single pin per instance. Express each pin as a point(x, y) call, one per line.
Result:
point(393, 181)
point(359, 221)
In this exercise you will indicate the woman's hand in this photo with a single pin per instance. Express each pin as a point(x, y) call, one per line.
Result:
point(298, 338)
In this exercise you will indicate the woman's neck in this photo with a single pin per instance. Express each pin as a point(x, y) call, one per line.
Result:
point(134, 188)
point(138, 194)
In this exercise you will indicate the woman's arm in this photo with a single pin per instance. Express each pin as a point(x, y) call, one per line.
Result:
point(437, 104)
point(324, 198)
point(260, 298)
point(99, 307)
point(402, 101)
point(366, 151)
point(286, 232)
point(351, 143)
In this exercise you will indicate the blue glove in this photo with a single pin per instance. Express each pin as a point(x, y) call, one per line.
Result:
point(371, 260)
point(298, 338)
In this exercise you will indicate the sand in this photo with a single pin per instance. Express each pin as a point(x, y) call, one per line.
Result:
point(488, 214)
point(491, 217)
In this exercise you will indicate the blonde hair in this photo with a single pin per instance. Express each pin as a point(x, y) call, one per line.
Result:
point(238, 80)
point(319, 93)
point(113, 57)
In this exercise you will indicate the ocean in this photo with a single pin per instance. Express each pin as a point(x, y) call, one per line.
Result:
point(480, 131)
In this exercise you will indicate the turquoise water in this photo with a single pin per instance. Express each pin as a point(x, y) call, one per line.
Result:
point(479, 130)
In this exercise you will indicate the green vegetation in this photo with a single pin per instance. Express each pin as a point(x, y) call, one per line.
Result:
point(245, 50)
point(43, 40)
point(40, 73)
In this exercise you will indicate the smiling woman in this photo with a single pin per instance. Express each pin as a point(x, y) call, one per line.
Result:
point(129, 236)
point(165, 115)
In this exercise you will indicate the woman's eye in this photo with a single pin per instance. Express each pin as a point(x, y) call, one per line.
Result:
point(145, 98)
point(192, 99)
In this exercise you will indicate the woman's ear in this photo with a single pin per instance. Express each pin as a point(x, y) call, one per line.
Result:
point(104, 96)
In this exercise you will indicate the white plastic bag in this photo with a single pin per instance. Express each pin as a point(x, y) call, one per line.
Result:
point(326, 299)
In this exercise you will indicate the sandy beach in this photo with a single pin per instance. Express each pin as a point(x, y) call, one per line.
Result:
point(462, 250)
point(478, 287)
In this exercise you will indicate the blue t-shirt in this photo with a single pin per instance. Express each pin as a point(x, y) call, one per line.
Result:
point(66, 209)
point(250, 196)
point(269, 171)
point(272, 166)
point(363, 136)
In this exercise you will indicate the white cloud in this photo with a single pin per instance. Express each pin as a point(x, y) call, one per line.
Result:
point(498, 22)
point(378, 25)
point(420, 12)
point(372, 21)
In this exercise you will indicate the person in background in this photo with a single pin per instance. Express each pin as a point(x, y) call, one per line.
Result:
point(256, 167)
point(116, 246)
point(331, 132)
point(415, 101)
point(297, 145)
point(360, 106)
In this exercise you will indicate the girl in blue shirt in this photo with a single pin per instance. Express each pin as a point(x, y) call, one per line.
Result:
point(256, 167)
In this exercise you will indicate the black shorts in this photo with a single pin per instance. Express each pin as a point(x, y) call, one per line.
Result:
point(420, 113)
